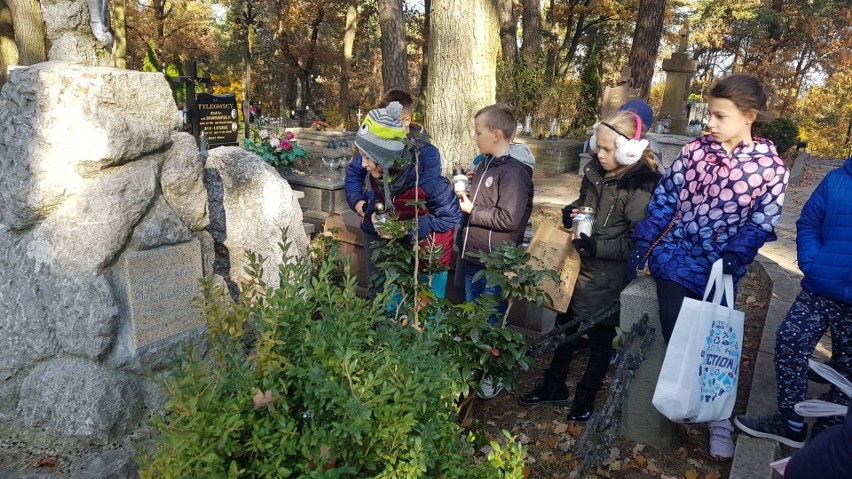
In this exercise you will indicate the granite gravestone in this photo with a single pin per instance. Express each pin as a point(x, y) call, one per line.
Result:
point(160, 285)
point(217, 115)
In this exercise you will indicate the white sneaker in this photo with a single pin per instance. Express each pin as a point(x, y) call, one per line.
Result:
point(489, 389)
point(721, 439)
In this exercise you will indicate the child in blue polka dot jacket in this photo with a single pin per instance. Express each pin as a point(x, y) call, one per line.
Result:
point(721, 198)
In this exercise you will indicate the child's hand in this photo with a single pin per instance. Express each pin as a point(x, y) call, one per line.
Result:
point(465, 204)
point(568, 215)
point(359, 208)
point(376, 227)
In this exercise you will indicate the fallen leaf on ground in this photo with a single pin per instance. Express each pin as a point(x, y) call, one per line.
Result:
point(262, 399)
point(640, 459)
point(691, 474)
point(565, 445)
point(551, 441)
point(524, 439)
point(614, 455)
point(681, 453)
point(575, 430)
point(637, 449)
point(560, 428)
point(694, 463)
point(45, 462)
point(713, 474)
point(652, 468)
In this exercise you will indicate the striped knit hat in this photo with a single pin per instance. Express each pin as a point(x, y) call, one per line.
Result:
point(382, 135)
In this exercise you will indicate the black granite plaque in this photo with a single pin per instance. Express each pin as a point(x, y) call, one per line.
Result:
point(217, 115)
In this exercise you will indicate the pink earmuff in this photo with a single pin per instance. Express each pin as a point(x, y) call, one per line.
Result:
point(627, 150)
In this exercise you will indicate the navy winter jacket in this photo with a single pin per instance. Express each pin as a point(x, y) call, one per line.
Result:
point(824, 240)
point(357, 186)
point(828, 455)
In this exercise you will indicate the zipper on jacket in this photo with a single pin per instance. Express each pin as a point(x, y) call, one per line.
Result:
point(472, 202)
point(660, 238)
point(608, 214)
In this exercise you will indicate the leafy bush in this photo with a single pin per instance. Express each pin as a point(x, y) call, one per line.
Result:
point(782, 131)
point(331, 387)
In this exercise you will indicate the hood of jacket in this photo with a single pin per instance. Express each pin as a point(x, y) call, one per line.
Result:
point(509, 157)
point(522, 153)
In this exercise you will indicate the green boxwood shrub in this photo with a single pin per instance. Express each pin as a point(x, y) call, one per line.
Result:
point(782, 131)
point(330, 387)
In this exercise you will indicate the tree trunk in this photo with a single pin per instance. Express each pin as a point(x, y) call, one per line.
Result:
point(8, 49)
point(551, 46)
point(646, 44)
point(394, 55)
point(424, 67)
point(311, 61)
point(346, 59)
point(468, 26)
point(28, 24)
point(508, 31)
point(532, 31)
point(160, 15)
point(119, 27)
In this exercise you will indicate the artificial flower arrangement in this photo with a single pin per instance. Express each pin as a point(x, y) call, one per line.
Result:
point(319, 125)
point(276, 147)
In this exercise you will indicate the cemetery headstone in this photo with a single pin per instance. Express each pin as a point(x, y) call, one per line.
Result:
point(615, 96)
point(217, 117)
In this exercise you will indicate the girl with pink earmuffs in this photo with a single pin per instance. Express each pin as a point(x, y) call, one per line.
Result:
point(618, 184)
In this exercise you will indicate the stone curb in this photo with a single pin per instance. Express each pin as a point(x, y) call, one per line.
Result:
point(752, 456)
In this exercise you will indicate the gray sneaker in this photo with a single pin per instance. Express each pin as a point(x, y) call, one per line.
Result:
point(772, 427)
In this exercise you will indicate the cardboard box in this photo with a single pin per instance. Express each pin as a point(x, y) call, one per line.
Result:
point(348, 226)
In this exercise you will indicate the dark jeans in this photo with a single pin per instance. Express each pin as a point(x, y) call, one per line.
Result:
point(670, 296)
point(474, 289)
point(600, 351)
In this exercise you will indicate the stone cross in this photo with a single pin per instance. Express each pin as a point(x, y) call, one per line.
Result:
point(684, 36)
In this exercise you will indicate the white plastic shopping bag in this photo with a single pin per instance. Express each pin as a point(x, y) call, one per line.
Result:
point(698, 380)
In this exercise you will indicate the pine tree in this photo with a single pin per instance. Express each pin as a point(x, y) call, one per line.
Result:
point(174, 71)
point(590, 85)
point(151, 63)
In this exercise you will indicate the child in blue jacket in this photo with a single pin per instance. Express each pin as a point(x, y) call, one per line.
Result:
point(824, 249)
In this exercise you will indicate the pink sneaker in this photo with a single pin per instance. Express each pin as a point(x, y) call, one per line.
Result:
point(721, 439)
